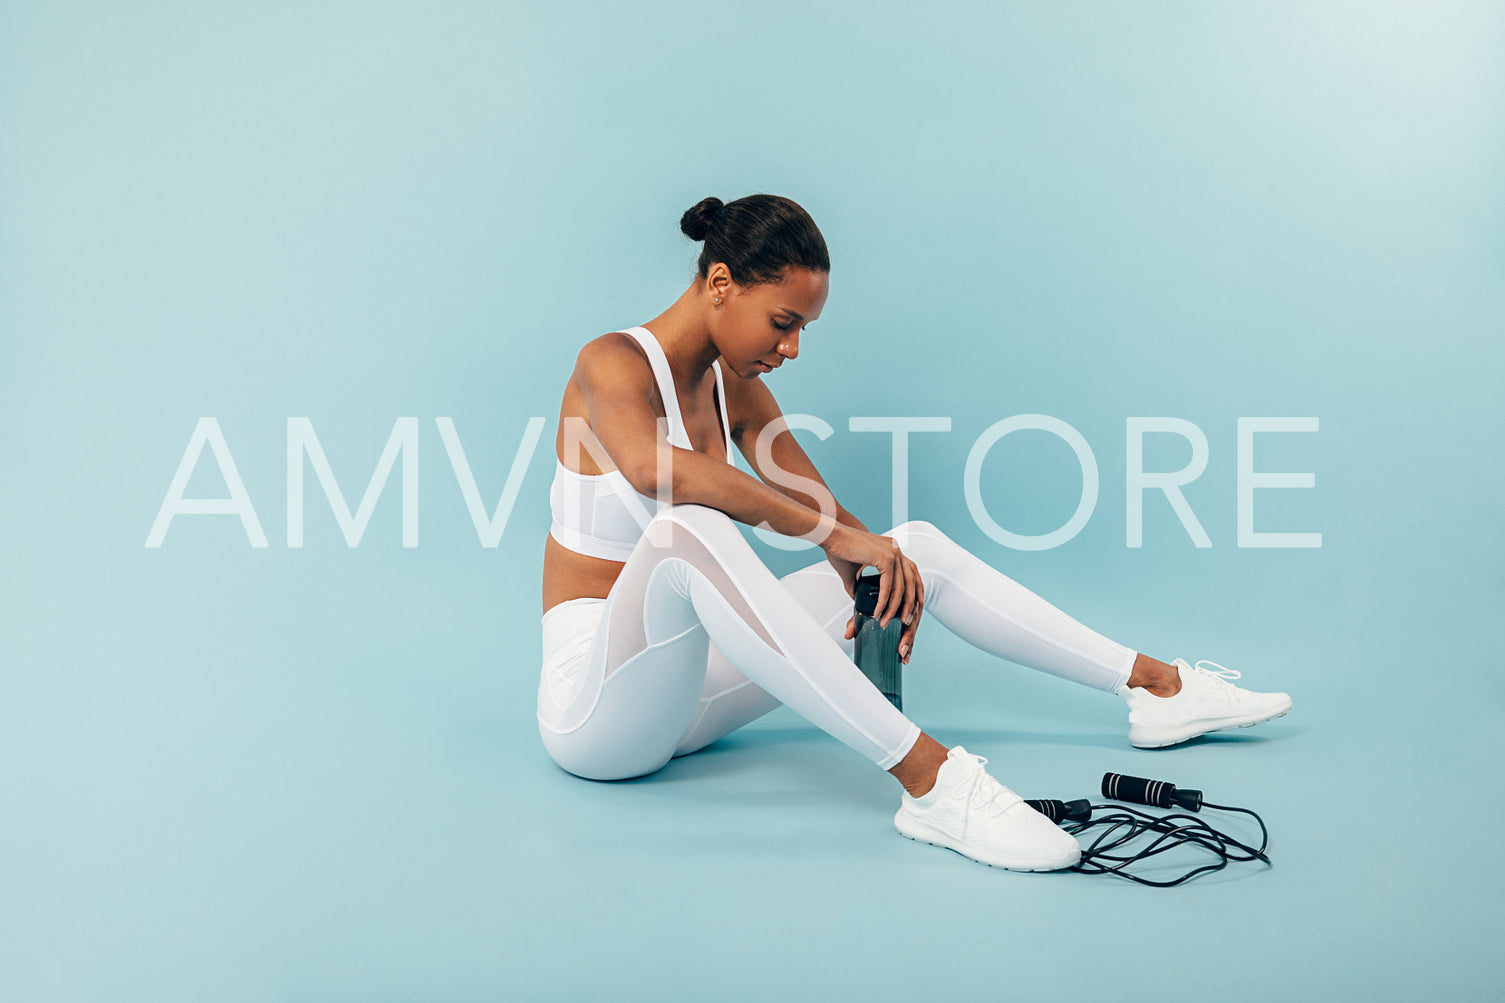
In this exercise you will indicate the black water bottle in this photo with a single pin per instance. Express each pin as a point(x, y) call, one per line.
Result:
point(875, 648)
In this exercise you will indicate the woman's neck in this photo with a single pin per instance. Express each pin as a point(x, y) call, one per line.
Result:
point(686, 341)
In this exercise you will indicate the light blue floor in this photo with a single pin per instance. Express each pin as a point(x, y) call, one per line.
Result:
point(343, 798)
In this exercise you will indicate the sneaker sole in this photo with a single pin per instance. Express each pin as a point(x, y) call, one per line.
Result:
point(924, 832)
point(1192, 731)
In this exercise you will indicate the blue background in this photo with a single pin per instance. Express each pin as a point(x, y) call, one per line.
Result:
point(313, 774)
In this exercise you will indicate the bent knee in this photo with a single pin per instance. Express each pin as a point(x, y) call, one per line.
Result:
point(699, 520)
point(690, 514)
point(904, 529)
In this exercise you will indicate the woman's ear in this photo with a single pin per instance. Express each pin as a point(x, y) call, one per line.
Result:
point(718, 282)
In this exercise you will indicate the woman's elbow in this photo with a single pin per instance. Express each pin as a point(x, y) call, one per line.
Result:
point(652, 475)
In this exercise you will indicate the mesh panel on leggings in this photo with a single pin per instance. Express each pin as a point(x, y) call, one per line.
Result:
point(626, 635)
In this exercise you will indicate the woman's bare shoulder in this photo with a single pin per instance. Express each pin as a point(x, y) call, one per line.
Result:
point(613, 361)
point(612, 355)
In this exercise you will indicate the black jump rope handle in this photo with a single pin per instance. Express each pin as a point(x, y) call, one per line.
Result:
point(1151, 792)
point(1059, 811)
point(1120, 788)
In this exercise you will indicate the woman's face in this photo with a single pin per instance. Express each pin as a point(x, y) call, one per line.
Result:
point(758, 329)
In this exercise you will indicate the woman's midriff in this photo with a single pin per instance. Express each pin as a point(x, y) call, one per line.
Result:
point(569, 575)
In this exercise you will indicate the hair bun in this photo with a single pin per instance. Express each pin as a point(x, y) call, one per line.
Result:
point(698, 218)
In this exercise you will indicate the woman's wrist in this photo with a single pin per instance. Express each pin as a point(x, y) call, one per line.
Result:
point(824, 530)
point(848, 519)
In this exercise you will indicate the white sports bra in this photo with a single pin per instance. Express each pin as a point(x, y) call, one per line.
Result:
point(593, 514)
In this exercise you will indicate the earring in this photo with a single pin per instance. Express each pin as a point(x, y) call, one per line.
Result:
point(718, 300)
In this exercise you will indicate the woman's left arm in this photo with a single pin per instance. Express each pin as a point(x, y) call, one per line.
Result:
point(752, 413)
point(751, 410)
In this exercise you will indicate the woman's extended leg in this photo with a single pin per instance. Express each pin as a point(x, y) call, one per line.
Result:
point(993, 612)
point(1168, 703)
point(996, 614)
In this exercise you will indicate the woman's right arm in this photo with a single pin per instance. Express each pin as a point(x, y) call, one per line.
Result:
point(618, 386)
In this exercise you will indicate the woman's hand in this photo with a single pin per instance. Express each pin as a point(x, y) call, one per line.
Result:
point(901, 592)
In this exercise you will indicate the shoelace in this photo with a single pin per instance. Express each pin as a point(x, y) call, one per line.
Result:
point(1222, 678)
point(983, 784)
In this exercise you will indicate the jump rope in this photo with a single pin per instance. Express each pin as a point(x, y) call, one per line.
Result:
point(876, 652)
point(1111, 852)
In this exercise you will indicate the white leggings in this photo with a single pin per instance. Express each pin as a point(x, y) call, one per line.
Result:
point(697, 638)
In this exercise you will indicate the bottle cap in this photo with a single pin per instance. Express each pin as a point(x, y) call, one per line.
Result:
point(866, 600)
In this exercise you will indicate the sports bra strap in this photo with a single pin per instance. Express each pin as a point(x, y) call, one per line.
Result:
point(726, 424)
point(678, 435)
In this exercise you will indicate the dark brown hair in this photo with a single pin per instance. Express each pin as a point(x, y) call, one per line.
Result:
point(757, 237)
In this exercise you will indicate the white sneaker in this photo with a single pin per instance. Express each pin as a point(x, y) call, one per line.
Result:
point(1206, 702)
point(970, 812)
